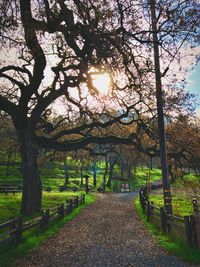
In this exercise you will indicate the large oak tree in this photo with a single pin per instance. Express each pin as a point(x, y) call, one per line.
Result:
point(52, 49)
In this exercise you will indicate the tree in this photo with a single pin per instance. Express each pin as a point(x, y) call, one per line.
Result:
point(183, 145)
point(56, 48)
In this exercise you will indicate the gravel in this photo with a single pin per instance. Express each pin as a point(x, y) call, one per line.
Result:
point(106, 233)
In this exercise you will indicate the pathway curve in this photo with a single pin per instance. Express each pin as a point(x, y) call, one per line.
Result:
point(106, 233)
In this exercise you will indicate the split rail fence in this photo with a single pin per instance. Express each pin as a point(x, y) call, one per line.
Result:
point(185, 229)
point(13, 229)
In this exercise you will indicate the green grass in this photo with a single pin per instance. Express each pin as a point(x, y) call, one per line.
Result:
point(34, 238)
point(182, 206)
point(52, 175)
point(184, 252)
point(10, 204)
point(141, 177)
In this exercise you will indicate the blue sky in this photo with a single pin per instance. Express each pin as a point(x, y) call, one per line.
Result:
point(193, 80)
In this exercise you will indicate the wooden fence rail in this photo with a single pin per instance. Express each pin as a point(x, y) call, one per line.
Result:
point(13, 229)
point(185, 228)
point(9, 189)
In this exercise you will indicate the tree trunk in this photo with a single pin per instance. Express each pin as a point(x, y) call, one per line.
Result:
point(129, 172)
point(32, 189)
point(66, 171)
point(94, 173)
point(151, 163)
point(82, 167)
point(8, 165)
point(122, 169)
point(159, 99)
point(112, 165)
point(105, 175)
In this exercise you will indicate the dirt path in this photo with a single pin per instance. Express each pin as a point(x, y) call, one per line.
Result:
point(107, 233)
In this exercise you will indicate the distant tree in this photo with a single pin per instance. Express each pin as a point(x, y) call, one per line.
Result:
point(184, 146)
point(9, 152)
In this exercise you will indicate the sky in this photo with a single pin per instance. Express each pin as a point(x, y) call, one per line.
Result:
point(193, 84)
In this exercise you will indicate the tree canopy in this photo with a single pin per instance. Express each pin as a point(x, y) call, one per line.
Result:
point(52, 49)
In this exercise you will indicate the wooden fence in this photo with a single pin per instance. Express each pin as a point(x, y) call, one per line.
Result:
point(186, 229)
point(13, 229)
point(10, 189)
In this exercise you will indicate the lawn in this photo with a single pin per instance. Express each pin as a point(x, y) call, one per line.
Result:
point(182, 205)
point(10, 204)
point(183, 190)
point(142, 174)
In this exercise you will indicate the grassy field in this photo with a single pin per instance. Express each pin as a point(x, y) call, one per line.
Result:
point(184, 252)
point(183, 190)
point(182, 205)
point(52, 175)
point(10, 204)
point(142, 174)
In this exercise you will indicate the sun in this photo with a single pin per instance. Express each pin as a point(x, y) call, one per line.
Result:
point(102, 82)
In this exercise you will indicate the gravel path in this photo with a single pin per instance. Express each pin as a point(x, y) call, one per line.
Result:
point(107, 233)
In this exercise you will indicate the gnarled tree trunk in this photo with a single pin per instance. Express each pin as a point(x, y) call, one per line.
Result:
point(32, 189)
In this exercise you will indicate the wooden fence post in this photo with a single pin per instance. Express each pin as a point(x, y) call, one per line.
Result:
point(12, 226)
point(83, 198)
point(188, 230)
point(196, 222)
point(148, 210)
point(143, 203)
point(69, 205)
point(163, 220)
point(76, 201)
point(18, 233)
point(140, 194)
point(61, 210)
point(45, 218)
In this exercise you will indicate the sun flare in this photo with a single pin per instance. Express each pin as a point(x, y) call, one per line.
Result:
point(102, 82)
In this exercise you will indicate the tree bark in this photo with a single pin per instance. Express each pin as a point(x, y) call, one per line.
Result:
point(94, 173)
point(105, 174)
point(122, 169)
point(8, 165)
point(66, 171)
point(32, 189)
point(82, 167)
point(112, 165)
point(129, 172)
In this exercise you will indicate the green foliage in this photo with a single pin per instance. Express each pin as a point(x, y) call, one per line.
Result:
point(34, 237)
point(14, 177)
point(142, 174)
point(188, 182)
point(176, 248)
point(9, 206)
